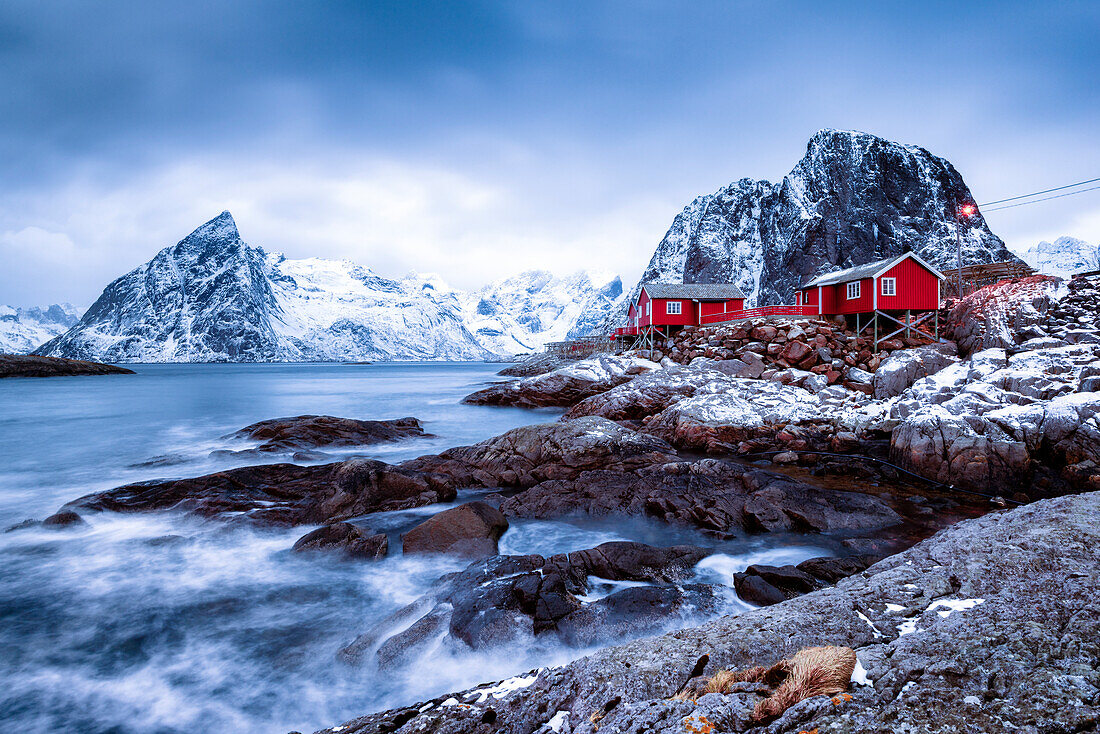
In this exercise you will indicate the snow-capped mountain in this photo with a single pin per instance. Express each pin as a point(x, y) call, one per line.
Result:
point(23, 329)
point(1063, 257)
point(852, 199)
point(524, 312)
point(213, 298)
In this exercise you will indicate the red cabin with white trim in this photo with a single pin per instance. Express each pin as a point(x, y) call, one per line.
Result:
point(682, 304)
point(903, 283)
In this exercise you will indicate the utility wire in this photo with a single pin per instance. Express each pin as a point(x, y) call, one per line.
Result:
point(1045, 198)
point(1036, 193)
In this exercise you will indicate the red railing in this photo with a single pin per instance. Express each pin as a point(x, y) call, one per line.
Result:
point(757, 313)
point(626, 331)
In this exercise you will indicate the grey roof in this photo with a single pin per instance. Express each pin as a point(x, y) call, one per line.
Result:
point(696, 291)
point(869, 270)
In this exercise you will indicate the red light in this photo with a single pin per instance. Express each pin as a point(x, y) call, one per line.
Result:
point(967, 209)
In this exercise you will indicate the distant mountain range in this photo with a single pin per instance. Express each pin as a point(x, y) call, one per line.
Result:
point(23, 329)
point(853, 198)
point(213, 298)
point(1063, 257)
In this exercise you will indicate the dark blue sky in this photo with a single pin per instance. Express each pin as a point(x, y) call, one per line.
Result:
point(478, 139)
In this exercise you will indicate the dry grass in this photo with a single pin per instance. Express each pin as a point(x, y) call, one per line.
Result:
point(812, 671)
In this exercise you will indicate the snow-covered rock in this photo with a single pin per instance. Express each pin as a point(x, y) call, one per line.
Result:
point(1026, 422)
point(23, 329)
point(852, 199)
point(1063, 257)
point(567, 385)
point(214, 298)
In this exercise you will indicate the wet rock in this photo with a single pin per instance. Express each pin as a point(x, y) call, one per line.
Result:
point(471, 530)
point(756, 590)
point(32, 365)
point(948, 634)
point(346, 539)
point(312, 431)
point(281, 494)
point(63, 519)
point(831, 570)
point(506, 598)
point(710, 494)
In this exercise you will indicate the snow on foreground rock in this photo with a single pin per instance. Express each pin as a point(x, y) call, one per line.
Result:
point(1025, 422)
point(1000, 626)
point(567, 385)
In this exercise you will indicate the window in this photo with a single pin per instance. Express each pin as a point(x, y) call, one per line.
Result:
point(649, 308)
point(853, 290)
point(889, 286)
point(672, 307)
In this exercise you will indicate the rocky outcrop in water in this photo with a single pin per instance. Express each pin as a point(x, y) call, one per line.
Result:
point(509, 598)
point(21, 365)
point(281, 435)
point(280, 494)
point(991, 621)
point(344, 539)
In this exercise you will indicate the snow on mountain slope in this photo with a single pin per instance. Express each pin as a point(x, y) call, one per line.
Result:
point(213, 298)
point(852, 199)
point(1063, 257)
point(525, 312)
point(23, 329)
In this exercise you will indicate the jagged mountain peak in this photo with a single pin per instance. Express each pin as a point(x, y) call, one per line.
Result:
point(211, 297)
point(854, 197)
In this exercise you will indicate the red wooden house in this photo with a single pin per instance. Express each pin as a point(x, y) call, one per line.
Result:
point(662, 308)
point(890, 288)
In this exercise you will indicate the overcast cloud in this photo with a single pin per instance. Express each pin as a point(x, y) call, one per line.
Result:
point(479, 139)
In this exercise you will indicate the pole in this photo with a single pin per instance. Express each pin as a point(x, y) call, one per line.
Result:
point(959, 259)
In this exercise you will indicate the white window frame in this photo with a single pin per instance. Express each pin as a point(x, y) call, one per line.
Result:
point(649, 308)
point(853, 293)
point(669, 310)
point(893, 286)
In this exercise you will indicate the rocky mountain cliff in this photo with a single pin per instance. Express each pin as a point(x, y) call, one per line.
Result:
point(853, 198)
point(213, 298)
point(23, 329)
point(1063, 257)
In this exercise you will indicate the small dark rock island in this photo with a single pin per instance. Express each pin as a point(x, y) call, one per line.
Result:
point(30, 365)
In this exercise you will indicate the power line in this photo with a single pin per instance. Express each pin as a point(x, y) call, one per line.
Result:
point(1046, 198)
point(1045, 191)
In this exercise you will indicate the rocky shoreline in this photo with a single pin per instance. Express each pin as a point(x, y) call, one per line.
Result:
point(795, 428)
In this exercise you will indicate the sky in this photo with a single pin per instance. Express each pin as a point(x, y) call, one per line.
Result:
point(479, 139)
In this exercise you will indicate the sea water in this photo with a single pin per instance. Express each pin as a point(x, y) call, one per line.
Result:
point(164, 623)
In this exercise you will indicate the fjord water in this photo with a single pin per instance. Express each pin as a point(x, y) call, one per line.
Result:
point(161, 623)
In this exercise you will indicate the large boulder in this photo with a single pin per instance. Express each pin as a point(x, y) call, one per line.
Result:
point(1001, 315)
point(566, 385)
point(651, 393)
point(992, 620)
point(904, 367)
point(471, 530)
point(346, 539)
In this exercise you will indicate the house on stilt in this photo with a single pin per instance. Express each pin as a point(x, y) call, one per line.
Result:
point(900, 292)
point(661, 309)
